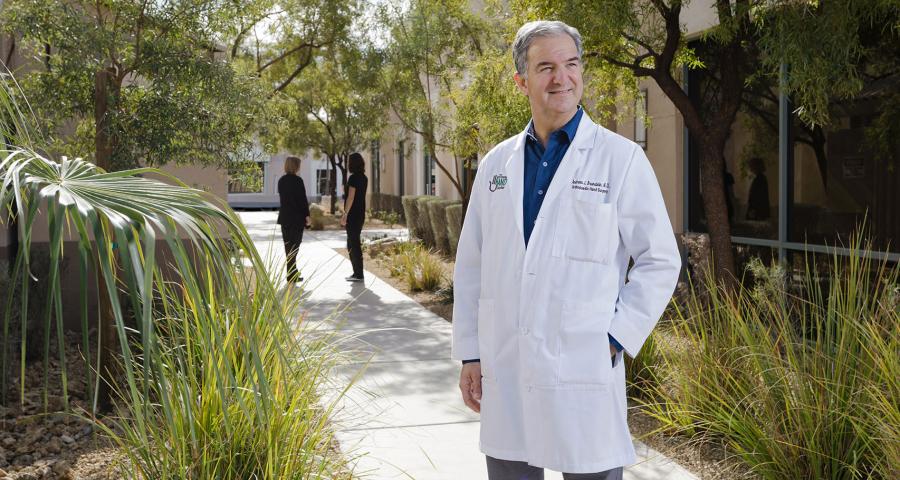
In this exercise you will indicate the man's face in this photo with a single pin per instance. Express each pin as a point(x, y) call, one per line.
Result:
point(553, 82)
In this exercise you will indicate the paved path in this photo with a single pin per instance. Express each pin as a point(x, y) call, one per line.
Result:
point(403, 418)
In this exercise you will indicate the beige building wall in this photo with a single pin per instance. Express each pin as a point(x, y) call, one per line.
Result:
point(665, 147)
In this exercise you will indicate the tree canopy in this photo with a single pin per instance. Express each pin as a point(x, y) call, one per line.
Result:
point(432, 45)
point(172, 97)
point(821, 43)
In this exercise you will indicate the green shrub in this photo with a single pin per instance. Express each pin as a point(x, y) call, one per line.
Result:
point(416, 265)
point(387, 217)
point(423, 220)
point(411, 211)
point(316, 217)
point(800, 382)
point(236, 393)
point(388, 203)
point(437, 214)
point(454, 226)
point(423, 271)
point(390, 218)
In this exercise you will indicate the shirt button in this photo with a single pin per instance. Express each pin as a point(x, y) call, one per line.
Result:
point(545, 164)
point(540, 192)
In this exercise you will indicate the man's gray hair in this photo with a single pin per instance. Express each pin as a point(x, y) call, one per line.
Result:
point(541, 28)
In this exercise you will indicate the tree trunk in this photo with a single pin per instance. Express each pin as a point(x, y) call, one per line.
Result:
point(341, 165)
point(712, 183)
point(819, 141)
point(105, 88)
point(332, 183)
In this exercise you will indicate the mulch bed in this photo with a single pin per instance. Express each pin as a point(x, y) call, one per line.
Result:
point(35, 444)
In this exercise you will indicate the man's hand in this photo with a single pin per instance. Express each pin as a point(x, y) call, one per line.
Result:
point(470, 385)
point(612, 350)
point(344, 220)
point(308, 224)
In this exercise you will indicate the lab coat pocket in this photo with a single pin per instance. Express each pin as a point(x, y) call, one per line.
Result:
point(487, 322)
point(584, 345)
point(584, 230)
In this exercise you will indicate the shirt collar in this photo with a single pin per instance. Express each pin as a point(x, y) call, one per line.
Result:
point(568, 129)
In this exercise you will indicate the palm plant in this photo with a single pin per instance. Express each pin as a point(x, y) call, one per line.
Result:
point(215, 379)
point(116, 218)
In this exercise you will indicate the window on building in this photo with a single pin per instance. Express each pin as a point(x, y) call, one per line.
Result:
point(430, 167)
point(640, 119)
point(751, 172)
point(843, 178)
point(839, 177)
point(376, 165)
point(247, 180)
point(322, 181)
point(401, 151)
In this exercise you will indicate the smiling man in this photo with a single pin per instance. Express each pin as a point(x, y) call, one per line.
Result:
point(542, 312)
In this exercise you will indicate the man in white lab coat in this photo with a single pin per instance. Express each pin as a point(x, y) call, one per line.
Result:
point(542, 311)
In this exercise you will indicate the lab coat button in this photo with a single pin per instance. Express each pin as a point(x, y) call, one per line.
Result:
point(525, 331)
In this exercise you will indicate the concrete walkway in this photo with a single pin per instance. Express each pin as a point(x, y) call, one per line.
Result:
point(403, 417)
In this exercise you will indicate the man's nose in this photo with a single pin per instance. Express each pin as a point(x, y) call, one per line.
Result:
point(559, 76)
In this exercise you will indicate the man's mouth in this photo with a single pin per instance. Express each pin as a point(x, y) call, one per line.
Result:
point(557, 92)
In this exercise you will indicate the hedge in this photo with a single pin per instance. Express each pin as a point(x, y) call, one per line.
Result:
point(385, 202)
point(437, 213)
point(423, 219)
point(454, 217)
point(316, 217)
point(411, 213)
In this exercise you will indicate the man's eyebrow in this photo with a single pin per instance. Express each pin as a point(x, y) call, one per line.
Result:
point(540, 64)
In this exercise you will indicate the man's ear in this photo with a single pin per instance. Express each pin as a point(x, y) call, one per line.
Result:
point(520, 83)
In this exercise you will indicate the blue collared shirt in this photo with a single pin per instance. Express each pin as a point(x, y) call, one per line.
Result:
point(540, 166)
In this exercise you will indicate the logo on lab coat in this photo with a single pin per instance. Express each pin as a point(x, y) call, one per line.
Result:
point(498, 182)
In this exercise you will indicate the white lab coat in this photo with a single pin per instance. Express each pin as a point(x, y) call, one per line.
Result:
point(538, 318)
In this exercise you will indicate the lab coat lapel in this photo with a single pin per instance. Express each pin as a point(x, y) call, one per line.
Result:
point(515, 170)
point(574, 158)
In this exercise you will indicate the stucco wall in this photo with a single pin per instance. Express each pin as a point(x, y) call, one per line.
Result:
point(665, 147)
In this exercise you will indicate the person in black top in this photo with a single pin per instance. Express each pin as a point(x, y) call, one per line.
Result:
point(758, 198)
point(355, 213)
point(293, 214)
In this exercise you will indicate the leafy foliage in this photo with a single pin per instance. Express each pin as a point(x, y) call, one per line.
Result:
point(432, 44)
point(172, 99)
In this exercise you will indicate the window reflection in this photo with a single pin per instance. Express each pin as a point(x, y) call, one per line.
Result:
point(841, 179)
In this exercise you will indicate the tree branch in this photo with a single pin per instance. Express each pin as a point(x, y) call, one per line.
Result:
point(662, 8)
point(12, 49)
point(310, 45)
point(634, 67)
point(640, 42)
point(305, 63)
point(240, 35)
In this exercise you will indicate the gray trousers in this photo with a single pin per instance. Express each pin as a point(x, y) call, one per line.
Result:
point(512, 470)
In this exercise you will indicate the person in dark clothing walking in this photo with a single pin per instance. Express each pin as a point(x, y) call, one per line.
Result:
point(355, 213)
point(293, 214)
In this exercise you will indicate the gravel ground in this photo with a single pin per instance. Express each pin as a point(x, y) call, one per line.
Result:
point(38, 444)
